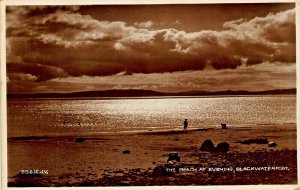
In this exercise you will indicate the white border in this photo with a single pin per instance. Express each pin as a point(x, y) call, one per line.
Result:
point(115, 2)
point(3, 111)
point(3, 124)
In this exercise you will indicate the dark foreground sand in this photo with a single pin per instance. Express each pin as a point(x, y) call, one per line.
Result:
point(99, 160)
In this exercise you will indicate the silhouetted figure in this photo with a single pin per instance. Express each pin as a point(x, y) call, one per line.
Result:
point(185, 124)
point(224, 126)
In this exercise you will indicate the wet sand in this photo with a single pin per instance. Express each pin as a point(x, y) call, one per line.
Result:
point(99, 160)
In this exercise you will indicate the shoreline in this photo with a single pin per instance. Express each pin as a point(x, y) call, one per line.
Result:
point(150, 131)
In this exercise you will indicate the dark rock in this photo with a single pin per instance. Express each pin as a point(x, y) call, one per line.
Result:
point(86, 183)
point(177, 139)
point(173, 156)
point(11, 184)
point(24, 180)
point(254, 141)
point(126, 151)
point(222, 147)
point(79, 140)
point(261, 141)
point(208, 146)
point(272, 144)
point(124, 183)
point(161, 171)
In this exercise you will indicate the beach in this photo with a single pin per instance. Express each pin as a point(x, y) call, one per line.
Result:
point(140, 158)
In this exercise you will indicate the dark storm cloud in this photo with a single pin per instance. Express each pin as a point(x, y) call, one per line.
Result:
point(40, 72)
point(55, 42)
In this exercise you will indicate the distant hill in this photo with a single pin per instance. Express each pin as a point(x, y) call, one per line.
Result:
point(146, 93)
point(106, 93)
point(241, 92)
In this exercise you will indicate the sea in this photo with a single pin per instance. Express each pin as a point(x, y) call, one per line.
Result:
point(63, 117)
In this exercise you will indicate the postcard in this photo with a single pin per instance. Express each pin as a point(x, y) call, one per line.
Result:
point(149, 95)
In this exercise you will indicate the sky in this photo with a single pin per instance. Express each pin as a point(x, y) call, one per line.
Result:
point(167, 48)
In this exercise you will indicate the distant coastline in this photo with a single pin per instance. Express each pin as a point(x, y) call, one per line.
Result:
point(132, 93)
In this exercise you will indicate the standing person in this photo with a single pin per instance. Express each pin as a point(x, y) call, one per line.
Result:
point(185, 124)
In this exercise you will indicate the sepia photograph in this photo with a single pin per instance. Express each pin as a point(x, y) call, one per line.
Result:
point(109, 95)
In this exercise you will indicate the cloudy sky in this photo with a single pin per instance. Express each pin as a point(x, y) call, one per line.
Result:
point(167, 48)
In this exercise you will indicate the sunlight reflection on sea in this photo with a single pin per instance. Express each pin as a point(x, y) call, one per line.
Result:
point(46, 117)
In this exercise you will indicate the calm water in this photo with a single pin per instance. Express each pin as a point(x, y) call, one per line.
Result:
point(46, 117)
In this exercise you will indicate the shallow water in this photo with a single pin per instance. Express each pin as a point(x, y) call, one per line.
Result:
point(46, 117)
